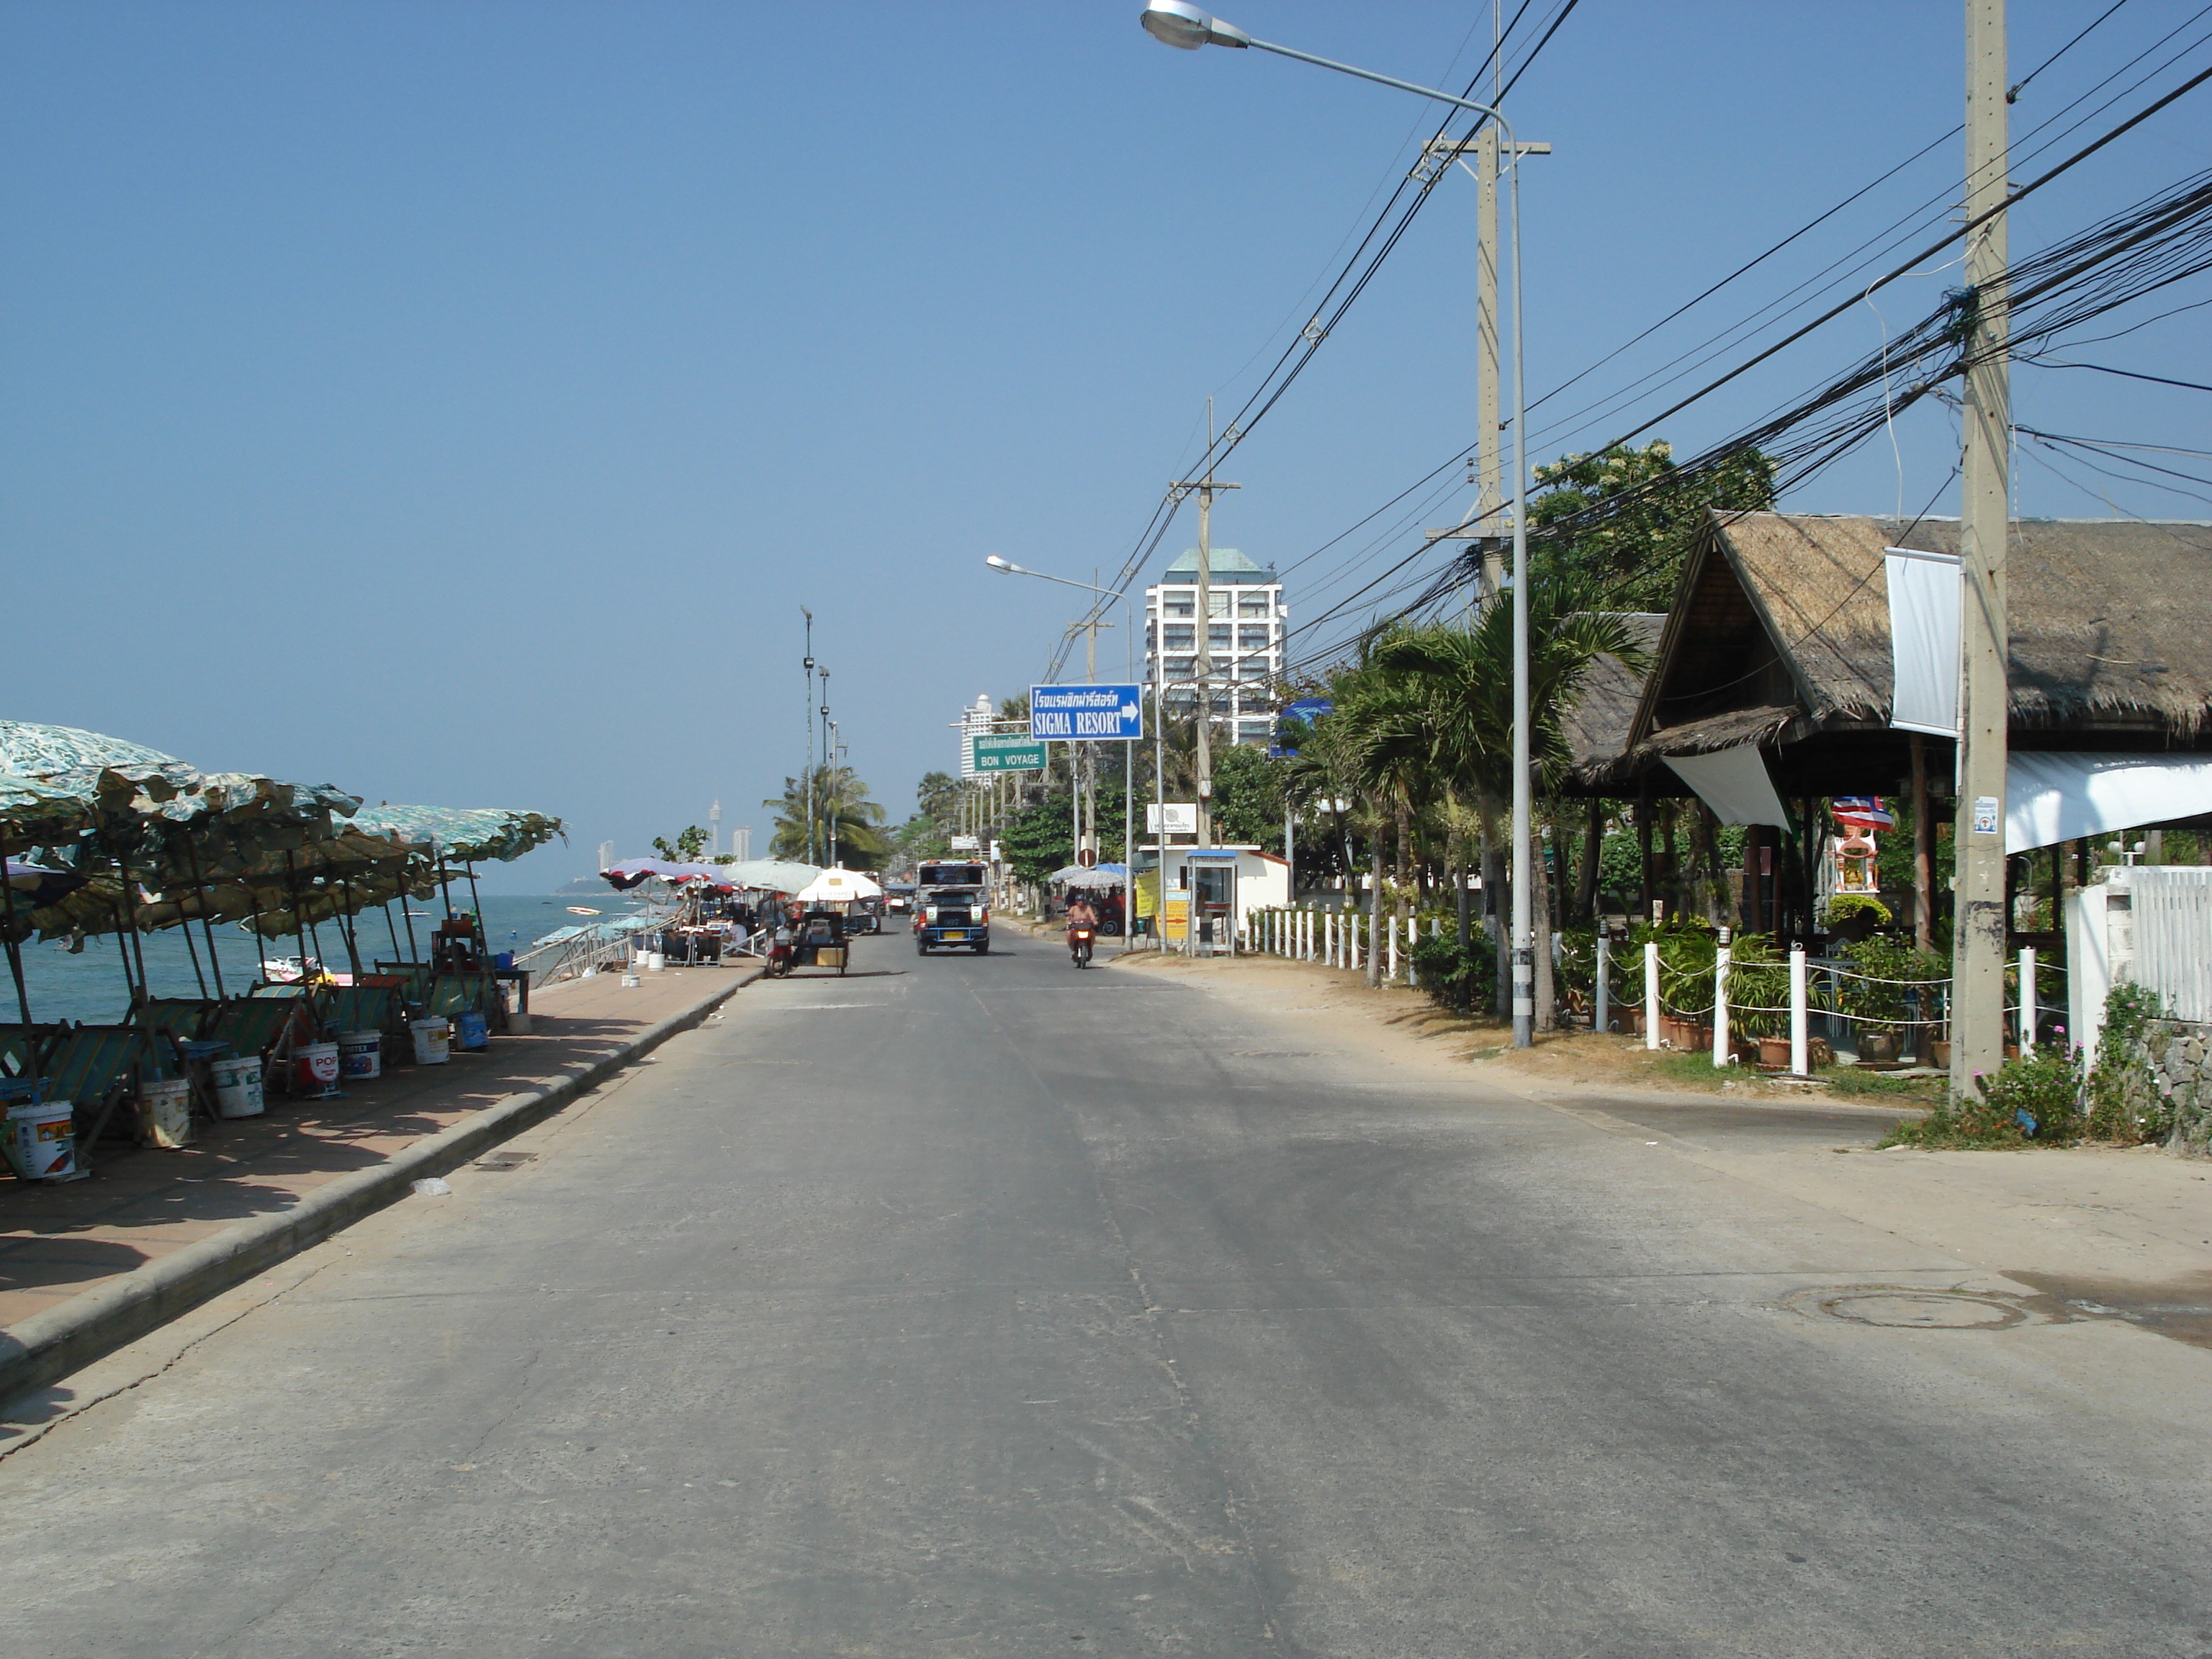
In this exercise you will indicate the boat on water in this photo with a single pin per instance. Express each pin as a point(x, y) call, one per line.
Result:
point(581, 910)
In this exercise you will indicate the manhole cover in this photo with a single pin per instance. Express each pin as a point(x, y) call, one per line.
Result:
point(1902, 1308)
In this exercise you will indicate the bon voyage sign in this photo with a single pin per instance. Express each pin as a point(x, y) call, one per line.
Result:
point(1086, 713)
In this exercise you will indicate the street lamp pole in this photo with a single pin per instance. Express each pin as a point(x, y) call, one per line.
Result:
point(809, 664)
point(1180, 24)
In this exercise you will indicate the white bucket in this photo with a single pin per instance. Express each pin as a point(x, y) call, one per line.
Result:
point(361, 1054)
point(316, 1067)
point(165, 1114)
point(629, 982)
point(518, 1024)
point(655, 962)
point(42, 1141)
point(237, 1087)
point(434, 1039)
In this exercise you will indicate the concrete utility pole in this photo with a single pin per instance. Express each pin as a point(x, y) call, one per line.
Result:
point(809, 615)
point(1204, 620)
point(1978, 920)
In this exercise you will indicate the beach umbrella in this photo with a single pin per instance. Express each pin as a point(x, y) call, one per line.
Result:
point(1093, 876)
point(839, 886)
point(774, 875)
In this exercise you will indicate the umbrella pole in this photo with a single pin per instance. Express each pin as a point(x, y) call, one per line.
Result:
point(198, 978)
point(15, 955)
point(207, 926)
point(125, 946)
point(445, 886)
point(405, 899)
point(389, 926)
point(299, 915)
point(475, 898)
point(345, 925)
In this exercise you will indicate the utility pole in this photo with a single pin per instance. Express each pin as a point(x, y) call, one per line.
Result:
point(809, 615)
point(826, 809)
point(1978, 920)
point(1206, 489)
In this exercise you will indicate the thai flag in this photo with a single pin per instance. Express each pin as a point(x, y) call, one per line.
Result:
point(1866, 810)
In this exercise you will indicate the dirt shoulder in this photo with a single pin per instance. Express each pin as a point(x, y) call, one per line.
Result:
point(2130, 1227)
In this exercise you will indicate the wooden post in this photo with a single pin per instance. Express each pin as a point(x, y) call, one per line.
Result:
point(1924, 850)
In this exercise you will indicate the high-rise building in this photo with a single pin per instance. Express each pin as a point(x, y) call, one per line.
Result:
point(714, 830)
point(606, 855)
point(1245, 643)
point(741, 841)
point(979, 719)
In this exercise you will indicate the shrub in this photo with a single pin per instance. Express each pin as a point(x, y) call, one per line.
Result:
point(1849, 907)
point(1447, 974)
point(1894, 971)
point(1688, 951)
point(2129, 1010)
point(1759, 988)
point(2031, 1102)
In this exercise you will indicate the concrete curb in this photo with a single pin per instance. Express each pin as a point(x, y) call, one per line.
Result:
point(52, 1343)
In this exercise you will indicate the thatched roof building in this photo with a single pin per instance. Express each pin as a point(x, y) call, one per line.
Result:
point(1780, 634)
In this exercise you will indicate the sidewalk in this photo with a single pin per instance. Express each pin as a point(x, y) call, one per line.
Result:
point(87, 1264)
point(2107, 1231)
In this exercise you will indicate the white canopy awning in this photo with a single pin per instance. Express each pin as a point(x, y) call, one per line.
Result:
point(1735, 784)
point(2066, 796)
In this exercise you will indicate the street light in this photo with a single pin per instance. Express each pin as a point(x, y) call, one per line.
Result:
point(1180, 24)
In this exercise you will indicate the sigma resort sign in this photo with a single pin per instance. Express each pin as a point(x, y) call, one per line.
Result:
point(1085, 714)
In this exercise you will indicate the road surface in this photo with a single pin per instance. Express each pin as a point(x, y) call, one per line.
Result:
point(967, 1307)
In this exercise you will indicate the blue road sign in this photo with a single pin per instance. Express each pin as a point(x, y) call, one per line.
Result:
point(1086, 713)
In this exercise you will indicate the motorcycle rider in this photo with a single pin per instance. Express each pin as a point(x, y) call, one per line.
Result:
point(1080, 915)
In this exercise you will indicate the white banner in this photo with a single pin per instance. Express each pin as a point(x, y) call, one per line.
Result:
point(1925, 593)
point(2051, 797)
point(1182, 818)
point(1735, 784)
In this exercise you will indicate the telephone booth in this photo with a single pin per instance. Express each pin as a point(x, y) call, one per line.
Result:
point(1210, 876)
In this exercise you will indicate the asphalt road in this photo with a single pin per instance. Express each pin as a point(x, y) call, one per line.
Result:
point(964, 1307)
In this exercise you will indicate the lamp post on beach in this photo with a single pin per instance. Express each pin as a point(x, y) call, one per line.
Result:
point(1185, 26)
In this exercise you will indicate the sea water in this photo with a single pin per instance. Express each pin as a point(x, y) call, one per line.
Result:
point(90, 985)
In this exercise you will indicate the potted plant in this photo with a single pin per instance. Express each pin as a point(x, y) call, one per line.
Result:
point(1850, 917)
point(1759, 998)
point(1887, 976)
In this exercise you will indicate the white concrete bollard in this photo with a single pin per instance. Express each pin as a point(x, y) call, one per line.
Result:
point(1604, 1017)
point(1651, 994)
point(2026, 1000)
point(1720, 1008)
point(1801, 1017)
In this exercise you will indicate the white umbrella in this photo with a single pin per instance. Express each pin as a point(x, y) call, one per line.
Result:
point(777, 875)
point(1096, 876)
point(835, 886)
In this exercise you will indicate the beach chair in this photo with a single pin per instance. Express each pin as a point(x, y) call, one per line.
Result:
point(453, 993)
point(22, 1048)
point(362, 1008)
point(183, 1017)
point(266, 1027)
point(93, 1067)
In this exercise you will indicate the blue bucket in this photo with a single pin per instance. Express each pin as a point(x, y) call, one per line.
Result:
point(504, 962)
point(469, 1026)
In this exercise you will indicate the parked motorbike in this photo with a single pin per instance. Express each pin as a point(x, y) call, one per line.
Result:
point(1079, 947)
point(780, 954)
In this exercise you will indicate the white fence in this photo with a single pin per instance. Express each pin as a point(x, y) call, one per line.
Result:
point(2173, 936)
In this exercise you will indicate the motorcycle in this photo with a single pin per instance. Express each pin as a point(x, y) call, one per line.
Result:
point(1079, 947)
point(780, 954)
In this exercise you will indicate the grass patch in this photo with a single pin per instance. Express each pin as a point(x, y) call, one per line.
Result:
point(1848, 1081)
point(1690, 1069)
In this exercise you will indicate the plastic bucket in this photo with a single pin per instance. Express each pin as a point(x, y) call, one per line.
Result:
point(472, 1030)
point(655, 962)
point(237, 1087)
point(361, 1054)
point(518, 1023)
point(316, 1067)
point(42, 1141)
point(433, 1038)
point(504, 962)
point(165, 1114)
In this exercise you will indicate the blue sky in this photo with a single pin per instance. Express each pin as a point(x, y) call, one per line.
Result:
point(457, 402)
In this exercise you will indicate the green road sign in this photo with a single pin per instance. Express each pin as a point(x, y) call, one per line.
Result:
point(1007, 754)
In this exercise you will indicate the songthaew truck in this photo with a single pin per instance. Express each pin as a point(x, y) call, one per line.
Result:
point(952, 907)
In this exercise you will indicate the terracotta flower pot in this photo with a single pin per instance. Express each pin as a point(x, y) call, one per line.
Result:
point(1774, 1051)
point(1879, 1048)
point(1940, 1051)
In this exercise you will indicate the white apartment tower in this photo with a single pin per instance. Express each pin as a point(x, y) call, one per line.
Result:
point(1245, 643)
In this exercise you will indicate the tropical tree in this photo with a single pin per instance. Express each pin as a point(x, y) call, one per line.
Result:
point(685, 849)
point(845, 821)
point(1623, 523)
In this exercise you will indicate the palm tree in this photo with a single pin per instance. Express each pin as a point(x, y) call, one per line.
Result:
point(845, 827)
point(1450, 700)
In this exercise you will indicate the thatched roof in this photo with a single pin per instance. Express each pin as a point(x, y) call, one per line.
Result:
point(1597, 727)
point(2109, 618)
